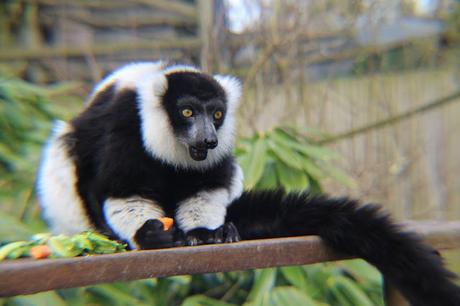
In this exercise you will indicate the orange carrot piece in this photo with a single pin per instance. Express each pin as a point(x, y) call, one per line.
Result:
point(40, 251)
point(167, 223)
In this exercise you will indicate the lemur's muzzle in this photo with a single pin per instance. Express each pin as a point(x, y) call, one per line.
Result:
point(206, 139)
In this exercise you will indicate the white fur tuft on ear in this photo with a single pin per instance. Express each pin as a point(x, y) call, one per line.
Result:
point(127, 77)
point(232, 87)
point(180, 68)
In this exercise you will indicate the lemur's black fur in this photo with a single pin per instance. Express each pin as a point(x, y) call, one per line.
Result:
point(105, 144)
point(353, 229)
point(100, 137)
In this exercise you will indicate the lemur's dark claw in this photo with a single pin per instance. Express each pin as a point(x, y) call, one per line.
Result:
point(226, 233)
point(231, 233)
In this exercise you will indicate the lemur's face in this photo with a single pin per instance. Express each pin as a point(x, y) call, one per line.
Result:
point(196, 105)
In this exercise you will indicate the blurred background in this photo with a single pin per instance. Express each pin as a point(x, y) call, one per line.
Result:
point(347, 97)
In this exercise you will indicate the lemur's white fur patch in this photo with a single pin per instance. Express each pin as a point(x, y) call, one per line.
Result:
point(157, 133)
point(126, 216)
point(127, 77)
point(204, 209)
point(232, 87)
point(56, 186)
point(180, 68)
point(208, 208)
point(236, 186)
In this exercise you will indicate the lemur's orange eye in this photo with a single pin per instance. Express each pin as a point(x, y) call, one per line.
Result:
point(187, 113)
point(218, 115)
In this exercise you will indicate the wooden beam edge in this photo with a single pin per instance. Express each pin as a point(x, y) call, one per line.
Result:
point(14, 54)
point(28, 276)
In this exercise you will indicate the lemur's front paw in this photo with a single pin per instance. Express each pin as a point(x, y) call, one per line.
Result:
point(224, 234)
point(231, 233)
point(153, 236)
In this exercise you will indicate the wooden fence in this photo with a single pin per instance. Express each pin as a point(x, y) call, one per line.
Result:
point(49, 40)
point(19, 276)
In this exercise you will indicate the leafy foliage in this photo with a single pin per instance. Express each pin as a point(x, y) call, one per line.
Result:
point(25, 121)
point(85, 243)
point(283, 157)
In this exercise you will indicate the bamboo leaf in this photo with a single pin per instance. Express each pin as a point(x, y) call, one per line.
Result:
point(311, 168)
point(269, 177)
point(339, 176)
point(296, 276)
point(350, 290)
point(286, 155)
point(361, 270)
point(288, 296)
point(263, 282)
point(303, 146)
point(291, 179)
point(40, 299)
point(115, 294)
point(202, 300)
point(255, 163)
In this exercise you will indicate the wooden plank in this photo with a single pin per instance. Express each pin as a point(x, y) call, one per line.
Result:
point(178, 7)
point(11, 54)
point(118, 21)
point(454, 97)
point(97, 4)
point(73, 272)
point(16, 276)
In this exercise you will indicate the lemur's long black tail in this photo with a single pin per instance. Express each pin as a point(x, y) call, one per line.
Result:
point(350, 228)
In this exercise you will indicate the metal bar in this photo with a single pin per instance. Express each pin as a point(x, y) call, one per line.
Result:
point(20, 276)
point(16, 276)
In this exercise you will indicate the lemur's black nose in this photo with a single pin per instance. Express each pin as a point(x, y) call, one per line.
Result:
point(211, 143)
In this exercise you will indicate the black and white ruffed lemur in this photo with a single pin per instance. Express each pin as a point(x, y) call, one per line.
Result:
point(156, 140)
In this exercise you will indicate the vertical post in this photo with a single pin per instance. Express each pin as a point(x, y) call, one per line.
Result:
point(392, 296)
point(205, 16)
point(30, 37)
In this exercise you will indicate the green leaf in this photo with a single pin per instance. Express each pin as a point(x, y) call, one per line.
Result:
point(13, 250)
point(363, 271)
point(102, 244)
point(202, 300)
point(39, 299)
point(116, 294)
point(291, 179)
point(82, 243)
point(286, 155)
point(289, 296)
point(256, 163)
point(296, 276)
point(339, 176)
point(63, 246)
point(303, 146)
point(263, 282)
point(353, 293)
point(40, 238)
point(315, 186)
point(269, 177)
point(12, 229)
point(311, 168)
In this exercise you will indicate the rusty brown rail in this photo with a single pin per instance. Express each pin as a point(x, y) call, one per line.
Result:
point(19, 276)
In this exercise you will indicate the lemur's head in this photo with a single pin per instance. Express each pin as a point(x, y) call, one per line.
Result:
point(188, 116)
point(196, 105)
